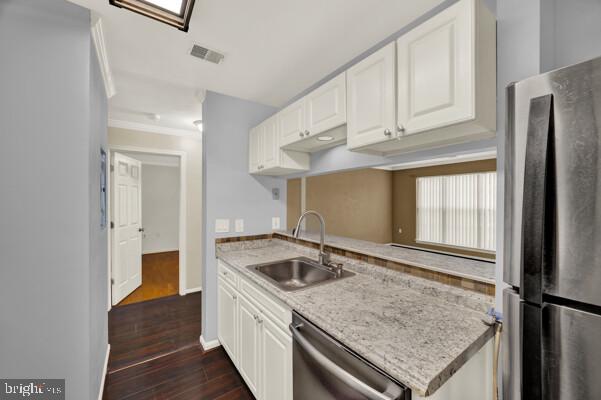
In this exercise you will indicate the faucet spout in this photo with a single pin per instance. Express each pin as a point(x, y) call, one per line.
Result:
point(324, 258)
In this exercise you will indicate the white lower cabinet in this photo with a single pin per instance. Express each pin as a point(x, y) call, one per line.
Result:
point(251, 328)
point(227, 318)
point(276, 365)
point(249, 344)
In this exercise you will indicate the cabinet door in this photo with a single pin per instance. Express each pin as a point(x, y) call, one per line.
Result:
point(371, 99)
point(276, 362)
point(270, 144)
point(436, 70)
point(227, 320)
point(249, 343)
point(291, 122)
point(255, 148)
point(326, 106)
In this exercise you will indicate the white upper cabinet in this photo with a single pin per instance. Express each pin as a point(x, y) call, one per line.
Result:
point(266, 156)
point(255, 148)
point(291, 122)
point(447, 77)
point(371, 99)
point(269, 144)
point(323, 111)
point(326, 107)
point(436, 71)
point(445, 85)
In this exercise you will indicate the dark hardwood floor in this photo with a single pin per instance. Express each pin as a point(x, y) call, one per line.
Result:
point(155, 354)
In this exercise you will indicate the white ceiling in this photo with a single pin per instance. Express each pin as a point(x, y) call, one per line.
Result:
point(274, 49)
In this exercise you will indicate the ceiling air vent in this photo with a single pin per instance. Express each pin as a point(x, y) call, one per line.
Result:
point(206, 54)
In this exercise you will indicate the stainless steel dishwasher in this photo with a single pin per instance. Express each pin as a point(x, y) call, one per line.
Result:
point(325, 369)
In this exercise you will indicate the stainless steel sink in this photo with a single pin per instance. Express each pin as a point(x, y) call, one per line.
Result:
point(297, 273)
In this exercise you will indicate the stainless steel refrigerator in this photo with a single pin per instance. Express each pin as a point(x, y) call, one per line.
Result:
point(552, 313)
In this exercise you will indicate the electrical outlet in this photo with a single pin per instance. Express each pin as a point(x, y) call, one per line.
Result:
point(239, 225)
point(222, 225)
point(275, 223)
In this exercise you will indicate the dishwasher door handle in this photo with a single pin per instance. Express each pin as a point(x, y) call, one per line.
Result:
point(327, 364)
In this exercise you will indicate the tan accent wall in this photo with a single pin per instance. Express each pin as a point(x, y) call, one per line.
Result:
point(404, 200)
point(355, 204)
point(193, 148)
point(293, 206)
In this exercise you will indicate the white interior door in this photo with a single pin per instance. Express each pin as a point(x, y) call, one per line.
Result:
point(127, 229)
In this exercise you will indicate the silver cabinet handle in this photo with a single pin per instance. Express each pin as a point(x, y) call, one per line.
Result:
point(387, 132)
point(234, 297)
point(327, 364)
point(224, 273)
point(301, 134)
point(259, 320)
point(400, 129)
point(307, 133)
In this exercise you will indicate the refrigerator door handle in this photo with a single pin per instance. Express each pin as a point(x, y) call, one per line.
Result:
point(537, 201)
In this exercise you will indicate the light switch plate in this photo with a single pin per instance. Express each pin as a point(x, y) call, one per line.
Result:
point(275, 223)
point(239, 225)
point(222, 225)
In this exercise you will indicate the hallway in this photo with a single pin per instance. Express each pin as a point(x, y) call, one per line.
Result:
point(155, 354)
point(160, 278)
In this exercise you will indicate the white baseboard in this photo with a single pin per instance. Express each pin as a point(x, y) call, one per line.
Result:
point(209, 345)
point(191, 290)
point(104, 371)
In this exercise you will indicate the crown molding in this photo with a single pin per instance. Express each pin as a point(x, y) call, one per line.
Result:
point(137, 126)
point(105, 69)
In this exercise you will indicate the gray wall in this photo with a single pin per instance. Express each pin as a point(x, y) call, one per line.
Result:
point(50, 255)
point(229, 191)
point(98, 236)
point(570, 32)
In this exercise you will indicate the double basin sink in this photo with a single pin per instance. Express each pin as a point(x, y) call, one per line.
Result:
point(298, 273)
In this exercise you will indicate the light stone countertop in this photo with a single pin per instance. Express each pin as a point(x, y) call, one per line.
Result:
point(418, 331)
point(481, 271)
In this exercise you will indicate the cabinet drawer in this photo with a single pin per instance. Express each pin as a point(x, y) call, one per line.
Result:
point(282, 314)
point(227, 274)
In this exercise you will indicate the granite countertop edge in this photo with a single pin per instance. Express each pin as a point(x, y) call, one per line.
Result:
point(423, 386)
point(399, 259)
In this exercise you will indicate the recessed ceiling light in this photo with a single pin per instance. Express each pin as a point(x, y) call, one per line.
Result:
point(176, 13)
point(198, 124)
point(325, 138)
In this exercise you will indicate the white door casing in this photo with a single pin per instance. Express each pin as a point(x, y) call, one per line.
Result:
point(127, 219)
point(371, 99)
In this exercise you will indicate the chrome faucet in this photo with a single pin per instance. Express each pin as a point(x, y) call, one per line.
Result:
point(324, 258)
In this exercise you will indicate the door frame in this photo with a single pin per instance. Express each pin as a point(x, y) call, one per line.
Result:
point(183, 211)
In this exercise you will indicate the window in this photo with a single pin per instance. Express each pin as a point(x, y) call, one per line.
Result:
point(458, 210)
point(176, 13)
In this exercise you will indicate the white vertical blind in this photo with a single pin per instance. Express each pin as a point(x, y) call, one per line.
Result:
point(458, 210)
